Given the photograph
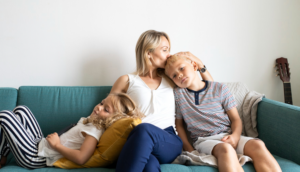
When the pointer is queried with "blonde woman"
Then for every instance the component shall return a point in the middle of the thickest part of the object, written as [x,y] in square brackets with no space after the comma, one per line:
[21,131]
[153,142]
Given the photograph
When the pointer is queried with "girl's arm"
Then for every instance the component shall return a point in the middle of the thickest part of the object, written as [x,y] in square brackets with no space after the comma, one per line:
[181,133]
[121,85]
[80,156]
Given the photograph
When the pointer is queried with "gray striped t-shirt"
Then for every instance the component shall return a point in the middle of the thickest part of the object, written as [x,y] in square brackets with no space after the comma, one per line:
[204,111]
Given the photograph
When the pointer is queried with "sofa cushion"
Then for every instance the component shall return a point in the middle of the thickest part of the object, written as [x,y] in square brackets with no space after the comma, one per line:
[280,121]
[286,166]
[15,168]
[8,98]
[57,107]
[108,148]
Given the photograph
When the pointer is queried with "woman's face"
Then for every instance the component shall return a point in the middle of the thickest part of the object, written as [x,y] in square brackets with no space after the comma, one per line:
[159,56]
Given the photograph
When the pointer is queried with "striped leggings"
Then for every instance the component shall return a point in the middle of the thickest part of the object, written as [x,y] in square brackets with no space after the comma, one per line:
[21,133]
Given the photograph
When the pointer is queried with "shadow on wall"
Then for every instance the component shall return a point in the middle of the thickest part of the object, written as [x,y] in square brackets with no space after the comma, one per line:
[102,68]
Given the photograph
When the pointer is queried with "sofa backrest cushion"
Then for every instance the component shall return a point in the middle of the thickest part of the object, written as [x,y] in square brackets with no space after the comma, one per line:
[8,98]
[57,107]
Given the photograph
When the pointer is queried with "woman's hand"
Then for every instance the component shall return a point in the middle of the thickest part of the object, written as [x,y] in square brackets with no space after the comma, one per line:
[232,140]
[192,57]
[53,140]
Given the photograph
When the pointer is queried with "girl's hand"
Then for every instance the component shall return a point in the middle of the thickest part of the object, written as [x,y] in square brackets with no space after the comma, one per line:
[232,140]
[53,140]
[192,57]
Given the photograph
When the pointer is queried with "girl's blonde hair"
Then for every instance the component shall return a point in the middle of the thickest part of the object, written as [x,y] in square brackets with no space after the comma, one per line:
[124,107]
[147,42]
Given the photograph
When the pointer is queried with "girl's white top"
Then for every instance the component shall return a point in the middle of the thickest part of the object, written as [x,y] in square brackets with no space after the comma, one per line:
[158,105]
[72,139]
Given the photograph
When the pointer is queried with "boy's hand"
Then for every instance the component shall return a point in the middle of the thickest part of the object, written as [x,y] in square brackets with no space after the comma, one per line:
[232,140]
[53,140]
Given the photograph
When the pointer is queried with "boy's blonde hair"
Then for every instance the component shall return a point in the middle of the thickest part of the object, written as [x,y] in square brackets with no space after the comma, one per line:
[124,107]
[173,58]
[147,42]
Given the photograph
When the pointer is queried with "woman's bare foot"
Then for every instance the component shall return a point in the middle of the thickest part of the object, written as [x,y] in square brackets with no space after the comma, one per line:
[2,161]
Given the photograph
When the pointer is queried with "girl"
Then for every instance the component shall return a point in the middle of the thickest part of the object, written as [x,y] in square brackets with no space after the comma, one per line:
[21,133]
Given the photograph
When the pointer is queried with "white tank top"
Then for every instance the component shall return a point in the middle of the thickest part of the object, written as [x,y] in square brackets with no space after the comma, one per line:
[158,105]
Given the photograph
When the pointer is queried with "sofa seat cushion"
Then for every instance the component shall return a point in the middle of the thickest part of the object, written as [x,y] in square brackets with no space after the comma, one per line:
[286,166]
[15,168]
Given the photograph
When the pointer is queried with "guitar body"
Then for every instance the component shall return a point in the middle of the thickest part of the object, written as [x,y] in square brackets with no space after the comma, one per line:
[284,73]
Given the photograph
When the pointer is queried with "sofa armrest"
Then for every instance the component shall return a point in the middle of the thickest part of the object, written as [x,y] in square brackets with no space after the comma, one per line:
[278,126]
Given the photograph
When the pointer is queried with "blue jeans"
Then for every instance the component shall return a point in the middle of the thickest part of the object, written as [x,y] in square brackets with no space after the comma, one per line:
[147,147]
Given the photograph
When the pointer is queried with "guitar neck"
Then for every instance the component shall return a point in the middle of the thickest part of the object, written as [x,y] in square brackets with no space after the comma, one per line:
[287,93]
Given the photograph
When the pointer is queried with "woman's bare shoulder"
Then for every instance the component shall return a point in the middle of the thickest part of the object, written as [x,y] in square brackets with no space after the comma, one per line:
[124,78]
[121,84]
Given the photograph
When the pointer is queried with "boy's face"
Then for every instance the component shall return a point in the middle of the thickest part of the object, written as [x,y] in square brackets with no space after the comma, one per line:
[182,72]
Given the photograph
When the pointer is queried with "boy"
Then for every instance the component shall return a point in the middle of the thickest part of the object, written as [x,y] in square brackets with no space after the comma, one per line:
[209,110]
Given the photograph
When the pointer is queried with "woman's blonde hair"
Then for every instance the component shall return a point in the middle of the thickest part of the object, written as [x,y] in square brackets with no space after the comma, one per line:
[147,42]
[124,107]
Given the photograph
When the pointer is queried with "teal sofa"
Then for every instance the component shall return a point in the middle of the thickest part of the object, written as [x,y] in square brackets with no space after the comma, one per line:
[56,107]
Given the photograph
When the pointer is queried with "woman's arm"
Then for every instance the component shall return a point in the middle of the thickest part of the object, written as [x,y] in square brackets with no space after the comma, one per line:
[181,133]
[80,156]
[121,85]
[206,75]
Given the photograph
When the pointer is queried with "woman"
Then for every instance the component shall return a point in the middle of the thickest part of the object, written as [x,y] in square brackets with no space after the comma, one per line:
[154,142]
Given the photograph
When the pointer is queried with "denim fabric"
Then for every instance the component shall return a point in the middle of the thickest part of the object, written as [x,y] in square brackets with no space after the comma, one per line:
[147,147]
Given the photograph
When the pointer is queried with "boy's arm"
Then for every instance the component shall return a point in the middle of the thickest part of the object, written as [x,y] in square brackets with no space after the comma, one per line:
[181,133]
[80,156]
[236,127]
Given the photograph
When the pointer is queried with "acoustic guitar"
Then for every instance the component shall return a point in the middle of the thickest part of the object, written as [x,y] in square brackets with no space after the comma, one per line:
[285,76]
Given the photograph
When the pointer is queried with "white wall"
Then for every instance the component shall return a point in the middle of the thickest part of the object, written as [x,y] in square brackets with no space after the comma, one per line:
[90,43]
